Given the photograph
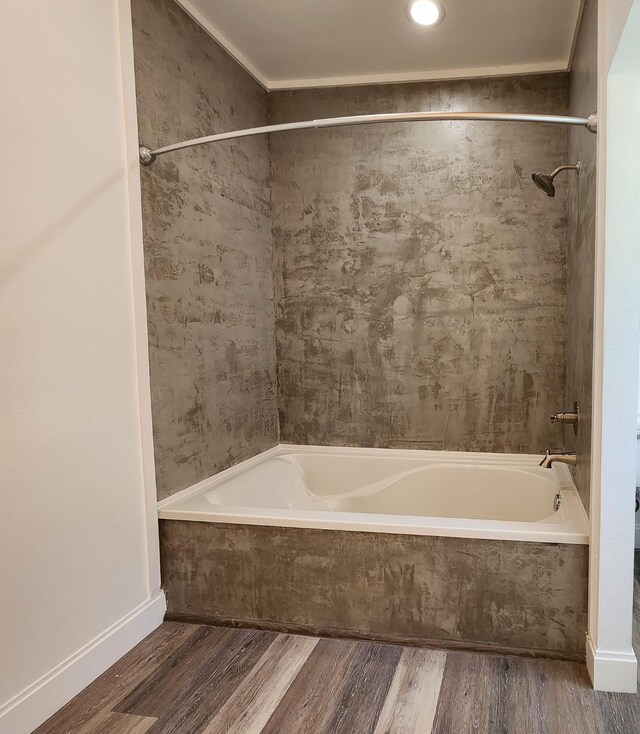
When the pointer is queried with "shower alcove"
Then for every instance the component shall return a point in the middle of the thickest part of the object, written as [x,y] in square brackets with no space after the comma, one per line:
[401,291]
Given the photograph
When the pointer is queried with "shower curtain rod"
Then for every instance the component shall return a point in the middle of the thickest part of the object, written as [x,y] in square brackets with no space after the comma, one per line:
[148,155]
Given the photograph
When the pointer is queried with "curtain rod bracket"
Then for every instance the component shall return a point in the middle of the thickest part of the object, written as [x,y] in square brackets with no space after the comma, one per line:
[147,156]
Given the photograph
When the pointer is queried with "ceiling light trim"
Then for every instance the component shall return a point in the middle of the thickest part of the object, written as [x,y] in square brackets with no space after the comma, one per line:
[436,6]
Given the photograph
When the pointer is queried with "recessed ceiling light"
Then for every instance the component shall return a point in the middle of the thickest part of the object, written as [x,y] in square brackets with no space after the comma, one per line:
[425,12]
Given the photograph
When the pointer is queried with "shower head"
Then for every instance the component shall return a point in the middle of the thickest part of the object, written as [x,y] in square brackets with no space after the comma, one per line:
[544,181]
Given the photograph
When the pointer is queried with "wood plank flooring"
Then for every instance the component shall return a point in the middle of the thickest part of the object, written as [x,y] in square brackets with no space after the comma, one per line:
[195,679]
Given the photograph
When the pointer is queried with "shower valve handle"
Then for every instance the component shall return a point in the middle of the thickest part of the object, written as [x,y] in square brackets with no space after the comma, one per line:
[568,416]
[564,417]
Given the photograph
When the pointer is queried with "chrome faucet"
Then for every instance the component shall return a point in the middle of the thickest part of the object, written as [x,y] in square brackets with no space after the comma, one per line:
[562,457]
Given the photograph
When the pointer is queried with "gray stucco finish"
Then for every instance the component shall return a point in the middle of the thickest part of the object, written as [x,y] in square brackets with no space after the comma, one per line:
[406,286]
[581,248]
[208,252]
[513,594]
[420,276]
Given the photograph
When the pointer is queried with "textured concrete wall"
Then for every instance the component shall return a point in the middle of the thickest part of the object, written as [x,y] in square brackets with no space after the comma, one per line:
[420,275]
[581,246]
[207,231]
[518,595]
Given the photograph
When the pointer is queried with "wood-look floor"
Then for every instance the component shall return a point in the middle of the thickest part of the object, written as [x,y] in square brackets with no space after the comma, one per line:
[195,679]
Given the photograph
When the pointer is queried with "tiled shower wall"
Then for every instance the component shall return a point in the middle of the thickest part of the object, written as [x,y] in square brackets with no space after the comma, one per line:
[420,275]
[207,235]
[581,246]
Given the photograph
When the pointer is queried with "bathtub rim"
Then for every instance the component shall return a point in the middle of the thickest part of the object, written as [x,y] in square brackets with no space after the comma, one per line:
[397,524]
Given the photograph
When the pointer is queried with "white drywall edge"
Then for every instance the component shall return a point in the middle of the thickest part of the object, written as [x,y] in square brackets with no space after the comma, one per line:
[36,703]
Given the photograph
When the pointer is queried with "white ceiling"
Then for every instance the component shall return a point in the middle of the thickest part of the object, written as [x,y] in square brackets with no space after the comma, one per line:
[304,43]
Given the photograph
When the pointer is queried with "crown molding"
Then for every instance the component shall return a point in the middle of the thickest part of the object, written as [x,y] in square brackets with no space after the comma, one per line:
[272,85]
[576,33]
[421,76]
[217,36]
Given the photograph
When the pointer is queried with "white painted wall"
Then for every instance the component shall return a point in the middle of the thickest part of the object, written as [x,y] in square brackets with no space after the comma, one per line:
[79,578]
[610,655]
[639,400]
[616,13]
[638,466]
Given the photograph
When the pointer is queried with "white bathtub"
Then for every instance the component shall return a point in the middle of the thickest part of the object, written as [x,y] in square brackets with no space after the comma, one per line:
[454,494]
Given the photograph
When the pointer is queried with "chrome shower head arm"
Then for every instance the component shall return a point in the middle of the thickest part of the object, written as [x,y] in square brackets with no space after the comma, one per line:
[572,167]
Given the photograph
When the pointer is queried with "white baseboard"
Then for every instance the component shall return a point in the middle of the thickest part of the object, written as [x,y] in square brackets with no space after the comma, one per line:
[36,703]
[612,671]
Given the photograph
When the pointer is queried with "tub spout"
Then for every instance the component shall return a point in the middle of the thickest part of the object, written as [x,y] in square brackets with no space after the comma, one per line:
[562,457]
